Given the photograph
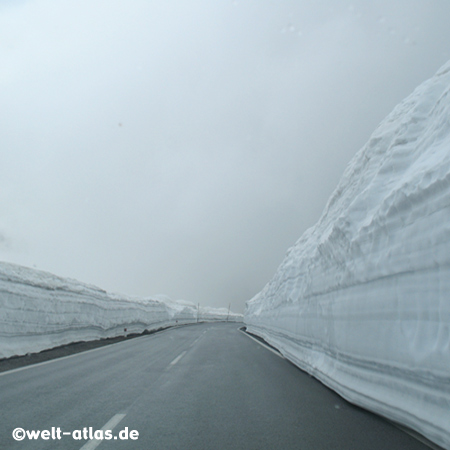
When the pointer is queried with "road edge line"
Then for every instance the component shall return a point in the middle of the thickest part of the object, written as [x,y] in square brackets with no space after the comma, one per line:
[261,343]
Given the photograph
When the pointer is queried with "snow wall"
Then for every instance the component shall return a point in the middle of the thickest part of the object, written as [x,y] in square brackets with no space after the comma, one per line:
[39,311]
[362,300]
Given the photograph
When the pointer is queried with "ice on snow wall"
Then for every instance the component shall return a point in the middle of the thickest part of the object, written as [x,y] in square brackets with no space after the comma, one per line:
[362,300]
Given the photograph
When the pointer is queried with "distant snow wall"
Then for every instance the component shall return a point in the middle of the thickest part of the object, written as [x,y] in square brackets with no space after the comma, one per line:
[39,311]
[362,300]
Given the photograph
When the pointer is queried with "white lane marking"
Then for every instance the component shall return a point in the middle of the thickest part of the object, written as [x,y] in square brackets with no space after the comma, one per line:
[193,343]
[264,345]
[110,425]
[43,363]
[177,358]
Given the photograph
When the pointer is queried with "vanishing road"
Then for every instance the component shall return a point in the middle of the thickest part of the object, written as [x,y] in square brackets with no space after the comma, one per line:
[199,387]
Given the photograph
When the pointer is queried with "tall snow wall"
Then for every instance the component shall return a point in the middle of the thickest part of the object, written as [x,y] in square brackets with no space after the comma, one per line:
[39,311]
[362,300]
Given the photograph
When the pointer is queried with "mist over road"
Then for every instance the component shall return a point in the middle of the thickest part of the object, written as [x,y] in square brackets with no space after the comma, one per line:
[205,386]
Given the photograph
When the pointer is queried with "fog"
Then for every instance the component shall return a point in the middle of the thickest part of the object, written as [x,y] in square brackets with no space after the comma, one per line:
[182,147]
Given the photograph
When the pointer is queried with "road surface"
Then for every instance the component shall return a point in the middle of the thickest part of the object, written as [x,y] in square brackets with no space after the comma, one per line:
[205,386]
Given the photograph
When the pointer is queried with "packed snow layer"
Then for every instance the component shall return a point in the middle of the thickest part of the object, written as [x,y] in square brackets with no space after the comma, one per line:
[39,310]
[362,300]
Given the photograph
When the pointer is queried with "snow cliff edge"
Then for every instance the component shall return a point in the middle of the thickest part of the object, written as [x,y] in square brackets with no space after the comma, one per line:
[362,300]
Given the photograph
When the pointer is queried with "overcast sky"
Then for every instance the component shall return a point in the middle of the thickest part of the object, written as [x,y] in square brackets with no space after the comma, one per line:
[180,147]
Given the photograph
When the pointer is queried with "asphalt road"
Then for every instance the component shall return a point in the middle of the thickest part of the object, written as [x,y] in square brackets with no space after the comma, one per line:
[205,386]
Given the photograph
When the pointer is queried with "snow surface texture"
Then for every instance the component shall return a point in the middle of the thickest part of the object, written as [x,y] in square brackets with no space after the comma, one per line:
[362,300]
[39,310]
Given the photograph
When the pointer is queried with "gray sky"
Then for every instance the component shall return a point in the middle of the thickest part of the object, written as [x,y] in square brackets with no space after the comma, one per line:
[180,147]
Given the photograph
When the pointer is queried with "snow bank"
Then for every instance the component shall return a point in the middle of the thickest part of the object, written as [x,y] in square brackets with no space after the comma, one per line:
[362,300]
[39,310]
[199,313]
[208,314]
